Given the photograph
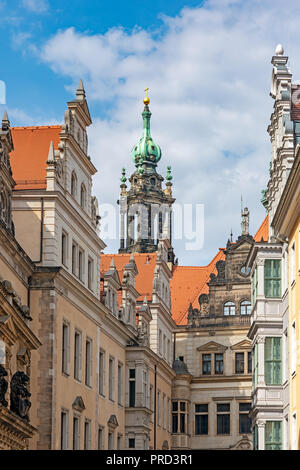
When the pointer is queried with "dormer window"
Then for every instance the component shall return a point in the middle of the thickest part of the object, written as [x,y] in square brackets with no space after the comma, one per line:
[73,184]
[229,309]
[82,196]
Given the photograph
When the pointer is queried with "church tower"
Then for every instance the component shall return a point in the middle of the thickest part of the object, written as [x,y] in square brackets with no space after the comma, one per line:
[146,208]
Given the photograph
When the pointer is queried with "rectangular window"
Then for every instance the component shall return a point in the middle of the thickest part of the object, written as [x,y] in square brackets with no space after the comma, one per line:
[77,355]
[131,443]
[100,438]
[273,438]
[255,438]
[249,355]
[158,408]
[90,273]
[110,440]
[145,388]
[239,363]
[102,372]
[219,364]
[293,263]
[64,440]
[120,383]
[76,433]
[168,415]
[223,418]
[174,417]
[273,361]
[119,443]
[87,435]
[164,411]
[272,275]
[244,420]
[111,384]
[88,362]
[74,256]
[255,367]
[294,348]
[131,387]
[201,419]
[65,347]
[160,342]
[80,264]
[64,248]
[206,364]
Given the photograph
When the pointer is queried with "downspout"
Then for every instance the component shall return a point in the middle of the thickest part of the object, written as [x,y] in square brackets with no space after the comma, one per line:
[155,387]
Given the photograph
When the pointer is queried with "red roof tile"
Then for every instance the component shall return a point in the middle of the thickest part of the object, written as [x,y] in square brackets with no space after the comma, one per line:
[295,112]
[28,159]
[263,231]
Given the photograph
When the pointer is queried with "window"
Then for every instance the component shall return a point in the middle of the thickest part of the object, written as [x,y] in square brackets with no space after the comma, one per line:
[223,418]
[255,438]
[294,348]
[249,354]
[111,379]
[82,196]
[76,433]
[77,355]
[168,415]
[102,372]
[158,408]
[219,364]
[110,440]
[179,417]
[206,364]
[120,383]
[145,388]
[119,442]
[64,248]
[65,347]
[273,361]
[64,418]
[151,399]
[164,411]
[273,435]
[88,362]
[131,387]
[159,341]
[74,256]
[229,308]
[244,420]
[254,284]
[272,275]
[100,438]
[201,419]
[131,443]
[80,264]
[90,273]
[73,184]
[239,363]
[87,434]
[255,367]
[245,307]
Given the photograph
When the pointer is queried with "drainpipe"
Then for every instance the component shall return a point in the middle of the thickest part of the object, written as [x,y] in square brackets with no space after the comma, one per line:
[155,387]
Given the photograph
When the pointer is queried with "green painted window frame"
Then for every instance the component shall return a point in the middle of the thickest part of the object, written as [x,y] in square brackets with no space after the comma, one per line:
[255,366]
[273,360]
[272,280]
[273,435]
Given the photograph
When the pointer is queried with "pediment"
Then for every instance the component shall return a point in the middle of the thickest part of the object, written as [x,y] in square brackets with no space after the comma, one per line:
[112,273]
[113,422]
[212,346]
[78,404]
[8,328]
[242,345]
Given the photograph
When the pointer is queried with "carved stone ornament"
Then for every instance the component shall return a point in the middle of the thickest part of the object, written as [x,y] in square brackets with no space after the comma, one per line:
[221,269]
[261,339]
[3,386]
[19,395]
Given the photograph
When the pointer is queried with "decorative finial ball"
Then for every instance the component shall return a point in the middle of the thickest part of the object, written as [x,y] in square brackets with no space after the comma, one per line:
[146,100]
[279,50]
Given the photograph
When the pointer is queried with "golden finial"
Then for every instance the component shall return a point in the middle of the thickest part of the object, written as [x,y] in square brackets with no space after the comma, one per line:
[146,99]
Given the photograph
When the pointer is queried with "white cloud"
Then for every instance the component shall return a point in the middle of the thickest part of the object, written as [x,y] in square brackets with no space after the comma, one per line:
[209,73]
[37,6]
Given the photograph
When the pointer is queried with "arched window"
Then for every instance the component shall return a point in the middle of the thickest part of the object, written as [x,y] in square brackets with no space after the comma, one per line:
[229,308]
[73,184]
[82,195]
[245,307]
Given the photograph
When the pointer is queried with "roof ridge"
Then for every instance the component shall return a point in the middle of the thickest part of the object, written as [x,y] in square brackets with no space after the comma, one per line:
[54,126]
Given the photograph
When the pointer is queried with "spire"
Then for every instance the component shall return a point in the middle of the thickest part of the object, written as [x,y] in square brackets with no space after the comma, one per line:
[146,153]
[5,122]
[51,156]
[80,92]
[112,263]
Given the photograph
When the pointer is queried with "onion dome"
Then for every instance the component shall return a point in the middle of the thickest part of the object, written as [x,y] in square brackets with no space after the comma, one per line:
[146,150]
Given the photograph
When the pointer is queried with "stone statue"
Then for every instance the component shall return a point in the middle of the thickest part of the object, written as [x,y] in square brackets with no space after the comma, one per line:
[245,221]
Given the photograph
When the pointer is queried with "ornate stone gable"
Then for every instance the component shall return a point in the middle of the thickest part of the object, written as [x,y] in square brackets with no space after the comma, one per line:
[212,346]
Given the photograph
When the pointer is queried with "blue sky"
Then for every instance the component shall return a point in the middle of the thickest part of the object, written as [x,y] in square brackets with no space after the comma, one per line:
[208,68]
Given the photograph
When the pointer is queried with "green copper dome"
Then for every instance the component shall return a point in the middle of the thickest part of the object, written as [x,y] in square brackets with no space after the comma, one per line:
[146,150]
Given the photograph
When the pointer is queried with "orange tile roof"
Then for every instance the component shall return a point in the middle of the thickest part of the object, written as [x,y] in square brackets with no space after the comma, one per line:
[187,284]
[263,231]
[28,159]
[145,263]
